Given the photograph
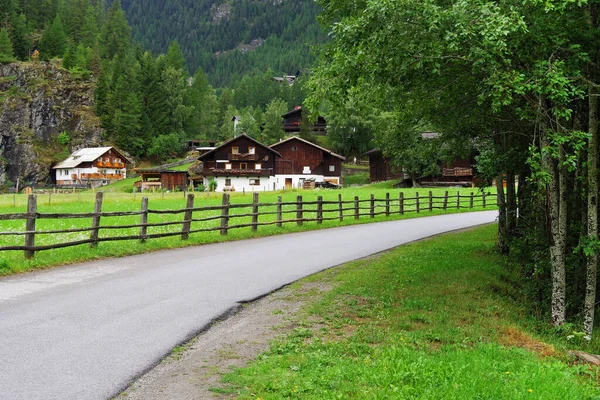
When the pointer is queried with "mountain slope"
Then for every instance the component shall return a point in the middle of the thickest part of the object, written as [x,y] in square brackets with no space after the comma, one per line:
[230,38]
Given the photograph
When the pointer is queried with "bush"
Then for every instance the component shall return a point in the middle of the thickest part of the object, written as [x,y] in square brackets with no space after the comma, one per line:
[212,185]
[201,188]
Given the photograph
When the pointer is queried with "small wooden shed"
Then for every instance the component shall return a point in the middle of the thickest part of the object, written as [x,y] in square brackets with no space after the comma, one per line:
[163,179]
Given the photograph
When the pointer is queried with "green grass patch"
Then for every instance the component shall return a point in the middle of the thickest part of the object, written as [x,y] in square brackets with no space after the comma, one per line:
[83,202]
[421,322]
[357,179]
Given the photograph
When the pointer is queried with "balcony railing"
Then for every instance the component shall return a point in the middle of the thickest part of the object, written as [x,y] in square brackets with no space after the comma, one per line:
[244,157]
[457,172]
[107,164]
[242,172]
[101,176]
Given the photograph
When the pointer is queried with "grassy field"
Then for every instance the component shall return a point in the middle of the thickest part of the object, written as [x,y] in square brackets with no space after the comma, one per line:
[437,319]
[13,261]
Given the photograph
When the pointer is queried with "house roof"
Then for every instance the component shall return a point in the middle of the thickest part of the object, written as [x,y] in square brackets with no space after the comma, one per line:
[88,154]
[227,143]
[312,144]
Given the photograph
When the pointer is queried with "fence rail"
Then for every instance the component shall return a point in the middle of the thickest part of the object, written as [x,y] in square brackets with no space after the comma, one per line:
[227,216]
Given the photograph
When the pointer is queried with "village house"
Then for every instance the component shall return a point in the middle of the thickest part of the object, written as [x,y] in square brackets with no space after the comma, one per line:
[302,161]
[241,163]
[292,123]
[93,165]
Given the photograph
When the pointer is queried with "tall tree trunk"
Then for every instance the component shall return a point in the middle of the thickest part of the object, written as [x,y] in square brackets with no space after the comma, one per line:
[592,216]
[557,228]
[511,203]
[502,231]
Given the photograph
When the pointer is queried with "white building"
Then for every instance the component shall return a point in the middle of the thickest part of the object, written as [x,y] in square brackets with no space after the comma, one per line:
[100,165]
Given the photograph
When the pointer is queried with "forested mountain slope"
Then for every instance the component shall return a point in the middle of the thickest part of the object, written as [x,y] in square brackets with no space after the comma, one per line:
[229,38]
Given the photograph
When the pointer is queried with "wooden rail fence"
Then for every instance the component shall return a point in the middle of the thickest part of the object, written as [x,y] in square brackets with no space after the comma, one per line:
[301,211]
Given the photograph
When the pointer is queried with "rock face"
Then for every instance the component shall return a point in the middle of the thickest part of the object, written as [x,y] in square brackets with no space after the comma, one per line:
[45,114]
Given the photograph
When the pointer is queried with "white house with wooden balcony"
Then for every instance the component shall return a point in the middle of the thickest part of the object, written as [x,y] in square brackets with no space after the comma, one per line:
[92,165]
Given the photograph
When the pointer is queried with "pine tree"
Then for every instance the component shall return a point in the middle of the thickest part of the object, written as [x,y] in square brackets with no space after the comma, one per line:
[54,40]
[175,58]
[69,59]
[116,35]
[273,127]
[205,112]
[6,50]
[90,28]
[18,36]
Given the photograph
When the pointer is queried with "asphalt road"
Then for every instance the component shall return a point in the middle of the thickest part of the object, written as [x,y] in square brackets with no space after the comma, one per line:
[86,331]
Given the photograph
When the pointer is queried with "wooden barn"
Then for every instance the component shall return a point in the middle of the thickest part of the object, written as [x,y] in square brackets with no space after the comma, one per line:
[162,179]
[302,160]
[380,167]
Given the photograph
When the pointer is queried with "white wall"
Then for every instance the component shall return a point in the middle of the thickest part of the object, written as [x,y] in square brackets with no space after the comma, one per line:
[79,171]
[297,180]
[241,183]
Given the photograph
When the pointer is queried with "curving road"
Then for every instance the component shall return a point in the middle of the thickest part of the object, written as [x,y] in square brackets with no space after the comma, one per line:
[86,331]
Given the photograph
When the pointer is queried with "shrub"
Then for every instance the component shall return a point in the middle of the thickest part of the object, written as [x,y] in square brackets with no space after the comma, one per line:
[212,185]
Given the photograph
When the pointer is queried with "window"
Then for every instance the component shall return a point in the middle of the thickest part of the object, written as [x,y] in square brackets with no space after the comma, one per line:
[331,168]
[227,166]
[254,181]
[235,150]
[243,165]
[257,166]
[251,150]
[294,148]
[227,181]
[103,171]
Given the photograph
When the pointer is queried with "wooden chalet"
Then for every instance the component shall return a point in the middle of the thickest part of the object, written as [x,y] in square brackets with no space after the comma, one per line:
[92,165]
[156,178]
[303,161]
[292,122]
[241,163]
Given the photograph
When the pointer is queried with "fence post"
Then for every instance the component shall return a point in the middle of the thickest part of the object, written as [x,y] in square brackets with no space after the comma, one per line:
[401,203]
[299,210]
[341,207]
[254,211]
[144,220]
[320,210]
[279,212]
[224,214]
[483,198]
[387,204]
[471,201]
[187,217]
[430,201]
[356,210]
[417,204]
[445,206]
[457,200]
[372,206]
[96,219]
[30,225]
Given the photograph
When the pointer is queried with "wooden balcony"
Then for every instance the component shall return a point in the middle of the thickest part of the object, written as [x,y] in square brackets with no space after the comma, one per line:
[243,157]
[457,172]
[240,172]
[98,176]
[105,164]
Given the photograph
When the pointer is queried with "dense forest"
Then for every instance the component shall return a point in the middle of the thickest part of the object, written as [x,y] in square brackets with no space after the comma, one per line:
[229,39]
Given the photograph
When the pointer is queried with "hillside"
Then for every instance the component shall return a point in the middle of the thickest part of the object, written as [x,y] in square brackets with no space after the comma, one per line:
[230,38]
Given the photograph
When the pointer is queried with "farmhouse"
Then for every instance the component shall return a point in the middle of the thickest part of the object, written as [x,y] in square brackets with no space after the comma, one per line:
[303,161]
[292,122]
[241,163]
[94,165]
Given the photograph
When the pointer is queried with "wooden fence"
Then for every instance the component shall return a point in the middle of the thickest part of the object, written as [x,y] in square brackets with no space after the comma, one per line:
[225,217]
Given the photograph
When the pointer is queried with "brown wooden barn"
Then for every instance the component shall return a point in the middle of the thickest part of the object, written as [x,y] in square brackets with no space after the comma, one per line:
[302,160]
[380,167]
[292,121]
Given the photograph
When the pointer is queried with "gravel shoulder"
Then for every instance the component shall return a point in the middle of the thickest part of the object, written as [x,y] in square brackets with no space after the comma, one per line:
[194,368]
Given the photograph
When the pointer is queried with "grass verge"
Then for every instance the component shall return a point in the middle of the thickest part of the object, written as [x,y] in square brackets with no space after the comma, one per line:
[437,319]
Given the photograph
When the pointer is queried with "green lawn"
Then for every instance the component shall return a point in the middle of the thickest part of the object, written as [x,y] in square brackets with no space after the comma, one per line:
[437,319]
[13,261]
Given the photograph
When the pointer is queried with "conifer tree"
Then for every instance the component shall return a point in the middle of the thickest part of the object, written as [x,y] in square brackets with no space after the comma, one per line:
[116,35]
[6,50]
[54,40]
[273,127]
[18,36]
[69,58]
[175,58]
[205,112]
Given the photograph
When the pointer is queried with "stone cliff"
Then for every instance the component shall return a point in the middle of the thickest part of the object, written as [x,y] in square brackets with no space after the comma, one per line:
[45,114]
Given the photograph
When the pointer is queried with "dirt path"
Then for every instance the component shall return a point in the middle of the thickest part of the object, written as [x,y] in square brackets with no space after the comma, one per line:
[196,367]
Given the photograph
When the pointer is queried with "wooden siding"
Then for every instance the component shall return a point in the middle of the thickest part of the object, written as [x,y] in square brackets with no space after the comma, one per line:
[380,168]
[296,154]
[171,180]
[263,155]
